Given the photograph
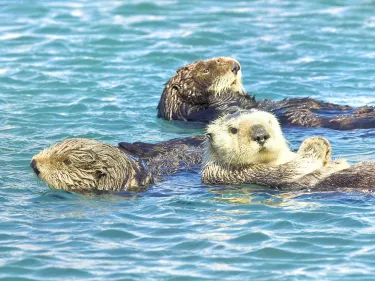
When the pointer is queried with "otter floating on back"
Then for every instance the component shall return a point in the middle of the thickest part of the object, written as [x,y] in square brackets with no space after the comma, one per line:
[249,147]
[203,90]
[242,147]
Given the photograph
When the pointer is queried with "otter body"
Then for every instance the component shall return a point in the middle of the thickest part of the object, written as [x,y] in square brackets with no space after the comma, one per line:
[248,147]
[203,90]
[241,147]
[84,165]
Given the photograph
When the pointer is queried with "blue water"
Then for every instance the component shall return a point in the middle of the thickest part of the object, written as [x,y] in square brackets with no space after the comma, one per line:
[96,69]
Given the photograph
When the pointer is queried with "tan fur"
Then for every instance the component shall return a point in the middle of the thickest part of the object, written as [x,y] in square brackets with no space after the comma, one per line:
[237,158]
[80,165]
[228,80]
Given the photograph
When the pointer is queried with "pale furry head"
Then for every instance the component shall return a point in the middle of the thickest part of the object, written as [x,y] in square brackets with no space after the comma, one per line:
[84,165]
[246,137]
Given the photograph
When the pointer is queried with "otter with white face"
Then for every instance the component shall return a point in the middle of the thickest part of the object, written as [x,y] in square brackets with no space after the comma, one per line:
[194,91]
[245,138]
[249,147]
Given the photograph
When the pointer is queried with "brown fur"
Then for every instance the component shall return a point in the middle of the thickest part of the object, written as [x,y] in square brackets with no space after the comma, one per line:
[360,176]
[193,87]
[191,95]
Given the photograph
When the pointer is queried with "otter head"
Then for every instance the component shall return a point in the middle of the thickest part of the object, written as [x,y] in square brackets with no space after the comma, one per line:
[194,83]
[246,137]
[80,165]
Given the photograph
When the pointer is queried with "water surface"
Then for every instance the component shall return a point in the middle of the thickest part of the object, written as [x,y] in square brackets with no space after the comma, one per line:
[96,69]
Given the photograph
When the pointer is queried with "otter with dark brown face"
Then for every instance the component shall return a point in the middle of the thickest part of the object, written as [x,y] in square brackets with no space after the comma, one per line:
[203,90]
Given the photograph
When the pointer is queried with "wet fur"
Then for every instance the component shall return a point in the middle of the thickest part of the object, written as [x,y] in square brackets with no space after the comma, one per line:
[80,165]
[192,93]
[189,97]
[237,161]
[237,158]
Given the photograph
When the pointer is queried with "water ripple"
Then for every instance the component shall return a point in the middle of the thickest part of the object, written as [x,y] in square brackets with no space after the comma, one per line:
[84,69]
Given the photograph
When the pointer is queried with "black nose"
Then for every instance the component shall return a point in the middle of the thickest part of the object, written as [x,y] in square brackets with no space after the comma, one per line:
[35,169]
[236,67]
[259,134]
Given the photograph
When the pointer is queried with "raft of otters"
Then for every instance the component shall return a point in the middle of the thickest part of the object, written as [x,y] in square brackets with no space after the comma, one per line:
[203,90]
[245,146]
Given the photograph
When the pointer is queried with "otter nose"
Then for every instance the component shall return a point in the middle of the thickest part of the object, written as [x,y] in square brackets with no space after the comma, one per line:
[236,67]
[259,134]
[34,167]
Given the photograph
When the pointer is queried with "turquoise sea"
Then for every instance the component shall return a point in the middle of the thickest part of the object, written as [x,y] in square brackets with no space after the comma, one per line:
[96,69]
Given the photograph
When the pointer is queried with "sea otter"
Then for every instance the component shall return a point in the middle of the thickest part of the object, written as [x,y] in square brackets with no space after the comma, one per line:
[81,165]
[241,147]
[203,90]
[248,147]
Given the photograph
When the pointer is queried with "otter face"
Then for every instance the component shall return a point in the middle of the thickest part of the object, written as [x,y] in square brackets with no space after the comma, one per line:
[218,75]
[213,76]
[246,137]
[81,165]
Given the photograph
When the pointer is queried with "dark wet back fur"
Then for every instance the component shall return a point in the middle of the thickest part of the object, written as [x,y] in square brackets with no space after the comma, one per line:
[360,176]
[169,157]
[186,97]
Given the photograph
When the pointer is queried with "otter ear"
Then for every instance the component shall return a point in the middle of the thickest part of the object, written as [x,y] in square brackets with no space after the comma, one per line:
[176,87]
[209,136]
[99,174]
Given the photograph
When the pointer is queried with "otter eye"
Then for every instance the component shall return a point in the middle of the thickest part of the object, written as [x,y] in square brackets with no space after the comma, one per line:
[206,71]
[209,136]
[233,130]
[67,162]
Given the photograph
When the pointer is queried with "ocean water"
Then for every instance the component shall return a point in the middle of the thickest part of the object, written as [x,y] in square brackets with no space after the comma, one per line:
[96,69]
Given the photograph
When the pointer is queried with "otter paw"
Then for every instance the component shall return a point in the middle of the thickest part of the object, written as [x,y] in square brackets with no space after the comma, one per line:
[317,148]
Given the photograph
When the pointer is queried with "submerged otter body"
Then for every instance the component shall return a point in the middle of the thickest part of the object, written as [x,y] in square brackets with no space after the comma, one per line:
[203,90]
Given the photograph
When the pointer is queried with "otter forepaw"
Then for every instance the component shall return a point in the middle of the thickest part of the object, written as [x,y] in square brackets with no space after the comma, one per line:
[317,148]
